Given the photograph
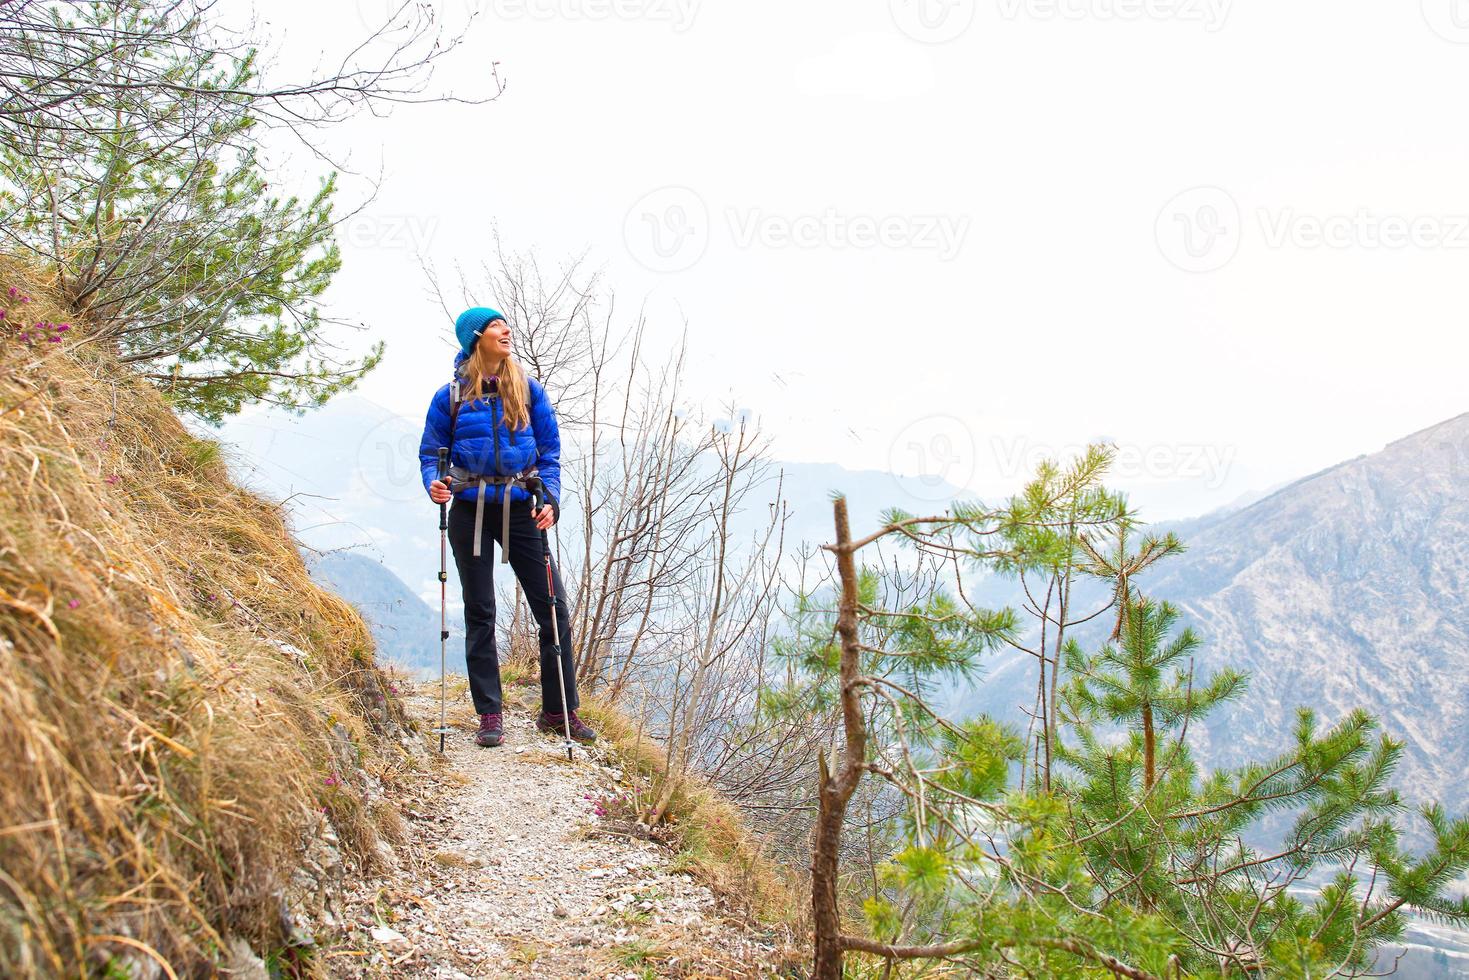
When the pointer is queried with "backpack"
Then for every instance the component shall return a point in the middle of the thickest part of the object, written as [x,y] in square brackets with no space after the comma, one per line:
[455,401]
[453,415]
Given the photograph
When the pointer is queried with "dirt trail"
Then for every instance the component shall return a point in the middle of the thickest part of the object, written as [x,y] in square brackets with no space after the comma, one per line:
[510,871]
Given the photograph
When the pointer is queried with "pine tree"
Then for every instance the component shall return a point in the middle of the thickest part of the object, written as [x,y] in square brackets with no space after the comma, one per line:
[1131,683]
[155,212]
[1133,861]
[1175,842]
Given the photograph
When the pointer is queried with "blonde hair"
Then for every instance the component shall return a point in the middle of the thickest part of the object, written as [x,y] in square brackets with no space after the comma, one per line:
[475,373]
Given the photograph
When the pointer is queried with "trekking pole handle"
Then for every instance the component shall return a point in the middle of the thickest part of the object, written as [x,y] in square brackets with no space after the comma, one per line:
[443,474]
[536,487]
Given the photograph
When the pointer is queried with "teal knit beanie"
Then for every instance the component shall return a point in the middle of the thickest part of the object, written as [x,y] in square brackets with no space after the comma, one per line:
[471,324]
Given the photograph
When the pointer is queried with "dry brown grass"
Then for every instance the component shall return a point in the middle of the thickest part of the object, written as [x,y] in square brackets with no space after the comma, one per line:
[712,837]
[184,710]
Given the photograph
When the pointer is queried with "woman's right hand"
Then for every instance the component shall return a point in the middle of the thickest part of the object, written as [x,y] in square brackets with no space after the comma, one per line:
[438,492]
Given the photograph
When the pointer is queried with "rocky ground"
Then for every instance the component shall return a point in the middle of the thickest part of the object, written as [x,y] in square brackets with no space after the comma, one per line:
[520,863]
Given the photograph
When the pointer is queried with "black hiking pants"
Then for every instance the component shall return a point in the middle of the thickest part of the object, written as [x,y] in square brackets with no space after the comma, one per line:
[477,576]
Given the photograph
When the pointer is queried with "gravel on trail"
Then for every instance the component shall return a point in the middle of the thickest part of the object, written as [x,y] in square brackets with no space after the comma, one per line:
[509,870]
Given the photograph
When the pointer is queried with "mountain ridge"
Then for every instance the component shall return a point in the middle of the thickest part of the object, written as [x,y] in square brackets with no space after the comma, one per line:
[1346,588]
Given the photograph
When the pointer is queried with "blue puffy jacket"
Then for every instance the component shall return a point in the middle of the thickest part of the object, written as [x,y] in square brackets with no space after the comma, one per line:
[481,430]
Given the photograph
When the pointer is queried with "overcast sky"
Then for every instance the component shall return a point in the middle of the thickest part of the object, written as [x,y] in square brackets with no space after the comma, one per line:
[948,236]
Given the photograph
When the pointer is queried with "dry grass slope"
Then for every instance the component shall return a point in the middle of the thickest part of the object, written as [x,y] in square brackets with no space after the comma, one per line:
[710,834]
[188,717]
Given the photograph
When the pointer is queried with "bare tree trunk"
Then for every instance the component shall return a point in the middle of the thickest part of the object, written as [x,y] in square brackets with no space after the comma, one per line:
[836,790]
[1150,748]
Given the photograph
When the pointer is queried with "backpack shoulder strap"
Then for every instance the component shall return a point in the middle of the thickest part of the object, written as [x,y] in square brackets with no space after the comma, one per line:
[453,414]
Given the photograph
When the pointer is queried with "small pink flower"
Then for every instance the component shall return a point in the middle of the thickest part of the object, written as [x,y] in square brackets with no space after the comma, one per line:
[73,603]
[113,478]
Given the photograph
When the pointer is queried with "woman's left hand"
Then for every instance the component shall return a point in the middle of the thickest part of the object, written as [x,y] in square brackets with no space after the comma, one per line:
[544,517]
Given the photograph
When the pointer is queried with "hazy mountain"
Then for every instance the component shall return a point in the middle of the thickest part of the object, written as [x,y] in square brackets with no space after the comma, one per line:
[405,628]
[349,471]
[807,490]
[1349,588]
[1343,589]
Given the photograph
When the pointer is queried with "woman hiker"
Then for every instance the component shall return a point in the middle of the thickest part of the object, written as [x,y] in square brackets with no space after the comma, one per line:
[505,430]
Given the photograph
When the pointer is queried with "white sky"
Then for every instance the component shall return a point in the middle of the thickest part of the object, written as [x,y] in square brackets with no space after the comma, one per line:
[1026,189]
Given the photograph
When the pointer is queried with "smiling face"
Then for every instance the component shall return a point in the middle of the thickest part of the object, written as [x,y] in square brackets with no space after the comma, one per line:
[495,340]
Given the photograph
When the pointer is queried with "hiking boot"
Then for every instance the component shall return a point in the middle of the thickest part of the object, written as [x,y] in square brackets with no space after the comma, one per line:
[491,731]
[556,725]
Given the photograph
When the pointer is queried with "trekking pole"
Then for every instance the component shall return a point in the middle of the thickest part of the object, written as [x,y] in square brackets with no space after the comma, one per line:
[537,489]
[443,475]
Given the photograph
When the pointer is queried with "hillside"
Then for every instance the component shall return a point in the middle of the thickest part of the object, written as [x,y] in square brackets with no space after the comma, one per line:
[217,779]
[203,731]
[1346,589]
